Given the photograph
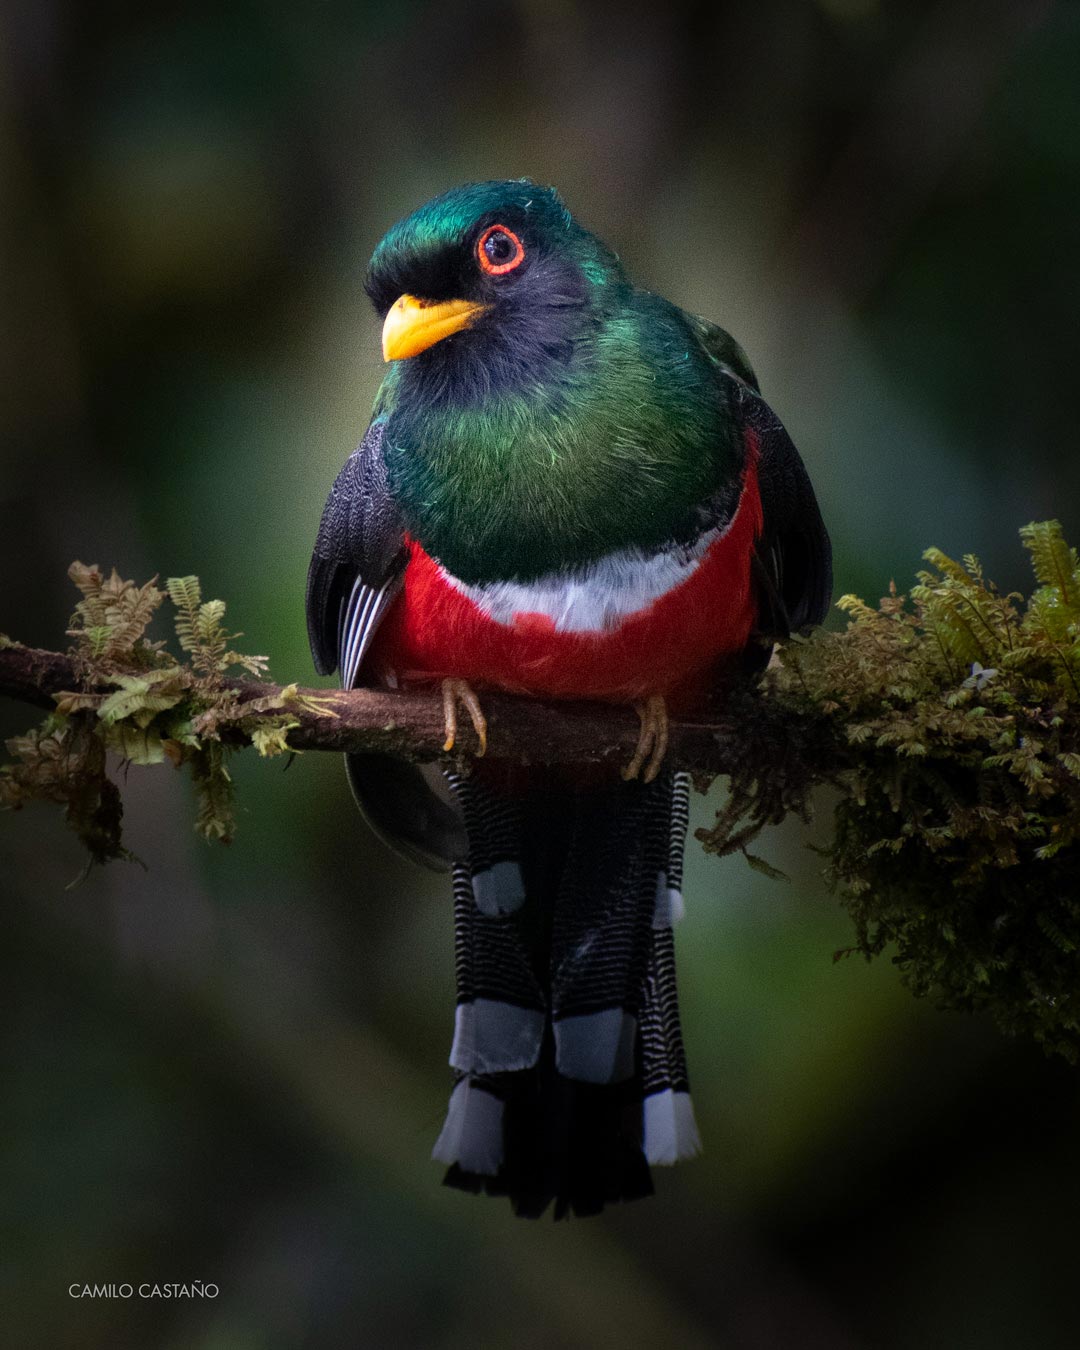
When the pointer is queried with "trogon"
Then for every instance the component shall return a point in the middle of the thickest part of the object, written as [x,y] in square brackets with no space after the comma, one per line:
[569,489]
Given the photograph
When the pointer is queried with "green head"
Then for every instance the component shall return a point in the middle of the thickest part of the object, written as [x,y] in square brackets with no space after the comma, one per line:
[488,284]
[539,411]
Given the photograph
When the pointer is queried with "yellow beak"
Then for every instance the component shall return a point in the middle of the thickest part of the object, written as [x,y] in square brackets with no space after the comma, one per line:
[413,325]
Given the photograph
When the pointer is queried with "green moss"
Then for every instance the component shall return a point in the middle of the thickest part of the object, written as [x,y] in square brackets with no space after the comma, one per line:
[949,721]
[137,700]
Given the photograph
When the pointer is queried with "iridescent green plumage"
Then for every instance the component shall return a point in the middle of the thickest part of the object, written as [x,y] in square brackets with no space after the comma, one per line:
[592,420]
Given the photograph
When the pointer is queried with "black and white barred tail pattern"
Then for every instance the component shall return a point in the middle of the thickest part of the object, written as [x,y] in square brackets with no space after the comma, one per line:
[567,1010]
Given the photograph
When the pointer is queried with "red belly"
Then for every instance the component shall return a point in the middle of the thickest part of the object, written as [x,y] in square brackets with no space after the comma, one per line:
[668,648]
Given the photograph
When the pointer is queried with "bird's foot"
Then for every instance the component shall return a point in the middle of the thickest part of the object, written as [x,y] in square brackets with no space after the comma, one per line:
[652,741]
[453,693]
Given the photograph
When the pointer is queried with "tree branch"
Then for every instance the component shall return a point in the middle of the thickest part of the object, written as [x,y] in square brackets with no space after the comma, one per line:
[956,816]
[411,725]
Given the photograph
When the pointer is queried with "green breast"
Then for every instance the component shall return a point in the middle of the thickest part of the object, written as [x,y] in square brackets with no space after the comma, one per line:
[613,447]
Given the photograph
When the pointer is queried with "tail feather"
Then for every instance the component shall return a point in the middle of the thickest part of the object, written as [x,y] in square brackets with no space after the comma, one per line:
[578,1145]
[571,1076]
[501,1007]
[670,1130]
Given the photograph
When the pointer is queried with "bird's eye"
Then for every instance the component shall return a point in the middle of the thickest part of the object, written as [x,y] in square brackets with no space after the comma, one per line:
[499,250]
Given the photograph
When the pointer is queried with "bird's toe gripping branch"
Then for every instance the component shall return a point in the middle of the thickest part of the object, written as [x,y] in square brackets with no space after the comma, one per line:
[453,693]
[652,740]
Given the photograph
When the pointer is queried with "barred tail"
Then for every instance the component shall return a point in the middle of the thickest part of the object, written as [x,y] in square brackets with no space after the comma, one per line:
[570,1070]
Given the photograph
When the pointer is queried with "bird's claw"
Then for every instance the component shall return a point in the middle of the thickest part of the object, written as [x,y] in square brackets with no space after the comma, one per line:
[652,740]
[453,693]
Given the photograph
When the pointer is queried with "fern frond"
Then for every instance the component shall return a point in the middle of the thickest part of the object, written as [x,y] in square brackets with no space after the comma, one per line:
[1055,563]
[208,622]
[948,567]
[215,814]
[186,595]
[139,695]
[956,623]
[855,606]
[130,613]
[90,611]
[89,623]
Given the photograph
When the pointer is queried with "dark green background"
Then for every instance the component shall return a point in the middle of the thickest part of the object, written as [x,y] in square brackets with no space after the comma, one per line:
[231,1067]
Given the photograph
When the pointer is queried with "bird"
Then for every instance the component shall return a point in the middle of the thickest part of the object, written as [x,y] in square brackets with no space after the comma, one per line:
[569,489]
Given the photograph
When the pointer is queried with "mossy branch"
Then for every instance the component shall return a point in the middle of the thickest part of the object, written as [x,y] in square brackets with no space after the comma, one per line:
[116,690]
[409,725]
[948,723]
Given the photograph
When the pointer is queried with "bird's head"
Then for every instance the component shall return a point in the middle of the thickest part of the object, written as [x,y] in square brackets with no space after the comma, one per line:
[490,280]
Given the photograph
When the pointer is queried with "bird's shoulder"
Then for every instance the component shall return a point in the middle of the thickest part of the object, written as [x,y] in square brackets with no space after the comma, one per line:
[793,557]
[713,345]
[359,549]
[725,353]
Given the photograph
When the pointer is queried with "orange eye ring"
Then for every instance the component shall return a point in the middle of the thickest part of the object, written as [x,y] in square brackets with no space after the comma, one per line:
[489,251]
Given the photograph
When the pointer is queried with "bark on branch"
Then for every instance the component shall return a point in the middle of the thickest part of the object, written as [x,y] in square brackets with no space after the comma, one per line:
[411,725]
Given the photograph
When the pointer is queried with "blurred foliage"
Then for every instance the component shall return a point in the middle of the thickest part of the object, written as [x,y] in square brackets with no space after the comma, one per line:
[231,1067]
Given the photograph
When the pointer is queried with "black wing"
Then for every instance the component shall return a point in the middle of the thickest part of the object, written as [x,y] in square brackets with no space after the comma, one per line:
[793,559]
[793,563]
[356,572]
[358,563]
